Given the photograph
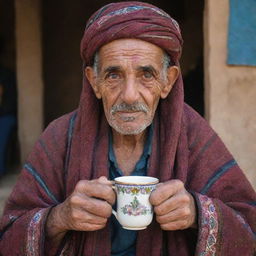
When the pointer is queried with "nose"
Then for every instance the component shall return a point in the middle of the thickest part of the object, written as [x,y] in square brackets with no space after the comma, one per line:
[130,93]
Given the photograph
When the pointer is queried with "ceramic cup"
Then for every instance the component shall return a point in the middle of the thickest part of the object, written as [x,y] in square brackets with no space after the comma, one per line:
[134,210]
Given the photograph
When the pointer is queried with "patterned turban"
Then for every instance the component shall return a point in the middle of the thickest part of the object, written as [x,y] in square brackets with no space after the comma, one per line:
[131,20]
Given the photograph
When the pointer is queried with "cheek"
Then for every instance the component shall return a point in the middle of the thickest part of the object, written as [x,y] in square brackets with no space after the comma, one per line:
[108,100]
[151,98]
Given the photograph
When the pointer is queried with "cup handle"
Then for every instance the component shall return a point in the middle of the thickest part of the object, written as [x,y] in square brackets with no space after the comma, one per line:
[113,211]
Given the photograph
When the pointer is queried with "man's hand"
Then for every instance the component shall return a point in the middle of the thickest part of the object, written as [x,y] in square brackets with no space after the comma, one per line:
[86,209]
[174,206]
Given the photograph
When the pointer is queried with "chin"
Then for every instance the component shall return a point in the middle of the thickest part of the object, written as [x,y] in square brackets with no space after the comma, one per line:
[129,130]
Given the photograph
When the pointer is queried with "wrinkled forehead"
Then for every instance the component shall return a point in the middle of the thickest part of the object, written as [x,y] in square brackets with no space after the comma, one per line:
[133,51]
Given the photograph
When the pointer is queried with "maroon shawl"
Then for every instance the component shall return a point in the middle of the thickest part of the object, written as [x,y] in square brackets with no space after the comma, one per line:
[75,147]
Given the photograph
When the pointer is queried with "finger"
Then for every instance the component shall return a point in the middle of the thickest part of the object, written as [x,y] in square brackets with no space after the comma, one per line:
[104,180]
[177,225]
[179,214]
[80,217]
[92,205]
[98,207]
[165,190]
[89,227]
[96,189]
[179,200]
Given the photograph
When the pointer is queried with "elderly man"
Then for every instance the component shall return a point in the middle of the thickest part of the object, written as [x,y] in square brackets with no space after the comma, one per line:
[131,120]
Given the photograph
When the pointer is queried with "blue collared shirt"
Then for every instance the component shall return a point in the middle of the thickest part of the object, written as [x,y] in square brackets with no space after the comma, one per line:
[123,240]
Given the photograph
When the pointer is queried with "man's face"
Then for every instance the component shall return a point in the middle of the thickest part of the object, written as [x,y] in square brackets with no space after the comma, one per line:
[130,81]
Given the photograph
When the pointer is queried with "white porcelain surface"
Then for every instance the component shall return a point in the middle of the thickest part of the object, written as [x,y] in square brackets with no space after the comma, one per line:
[134,210]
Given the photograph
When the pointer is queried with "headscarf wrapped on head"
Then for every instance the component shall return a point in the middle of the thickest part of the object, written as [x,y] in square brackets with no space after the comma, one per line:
[131,20]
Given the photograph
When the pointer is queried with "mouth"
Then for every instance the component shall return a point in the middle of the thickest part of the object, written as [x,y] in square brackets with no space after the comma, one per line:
[128,116]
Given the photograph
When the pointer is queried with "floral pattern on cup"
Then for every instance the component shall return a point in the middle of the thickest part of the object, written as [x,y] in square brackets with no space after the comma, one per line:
[135,190]
[135,208]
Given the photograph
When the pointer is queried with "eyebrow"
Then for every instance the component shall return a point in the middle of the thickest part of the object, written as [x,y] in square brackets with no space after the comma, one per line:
[112,69]
[148,68]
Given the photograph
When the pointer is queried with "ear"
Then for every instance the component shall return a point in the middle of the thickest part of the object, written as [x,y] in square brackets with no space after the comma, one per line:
[172,75]
[91,76]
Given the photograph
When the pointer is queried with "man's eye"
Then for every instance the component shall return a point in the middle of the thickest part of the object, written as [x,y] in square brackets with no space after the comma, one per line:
[113,76]
[147,75]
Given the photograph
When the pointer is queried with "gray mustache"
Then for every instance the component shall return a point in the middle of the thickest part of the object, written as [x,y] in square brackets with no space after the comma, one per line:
[129,107]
